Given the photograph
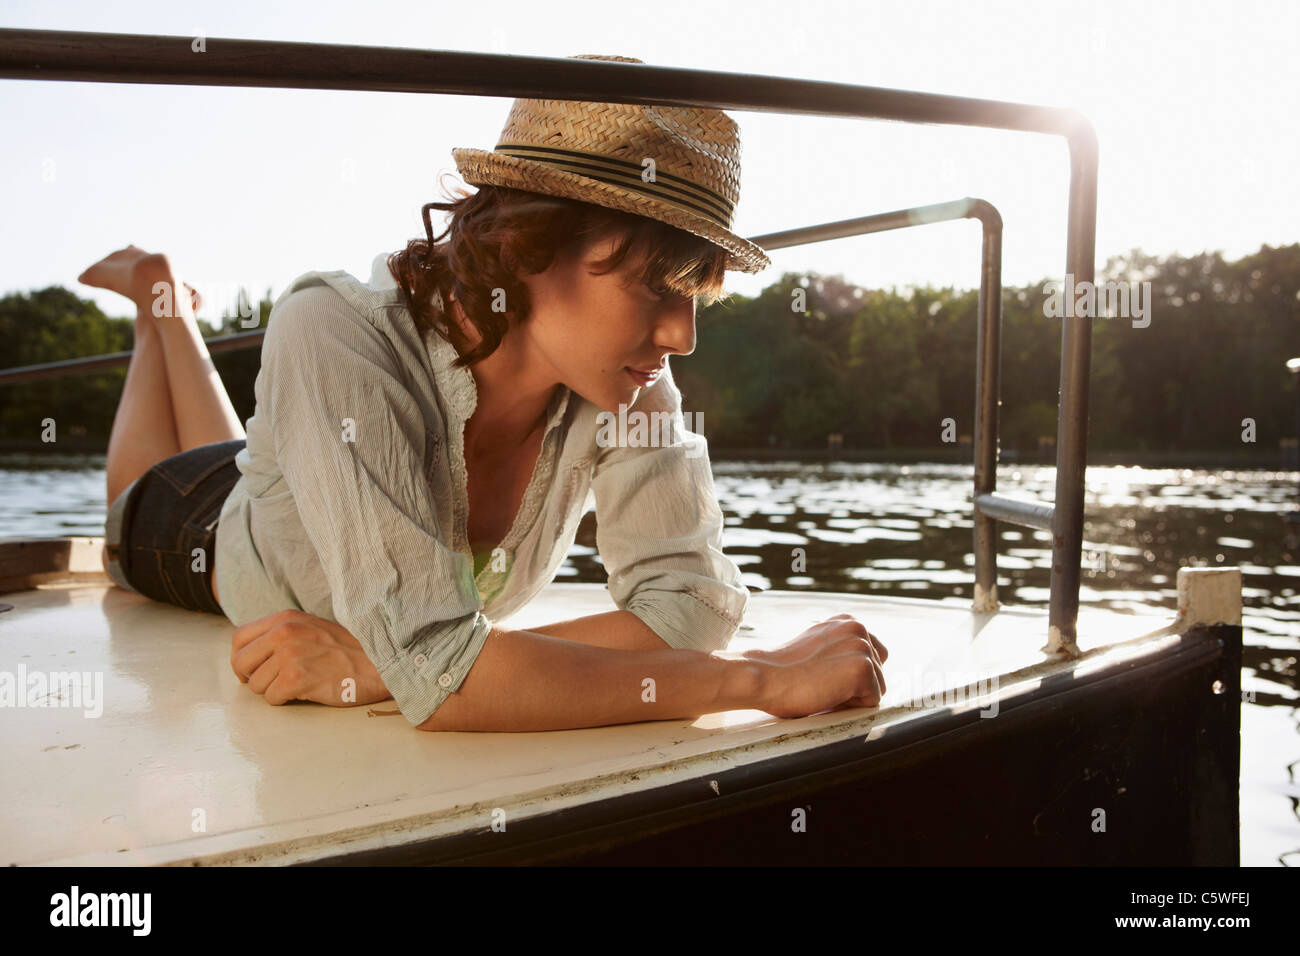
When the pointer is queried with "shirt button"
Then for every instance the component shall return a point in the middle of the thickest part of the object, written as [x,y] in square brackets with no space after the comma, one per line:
[445,680]
[419,660]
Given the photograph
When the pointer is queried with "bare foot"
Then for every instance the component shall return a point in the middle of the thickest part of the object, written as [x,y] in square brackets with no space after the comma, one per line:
[134,273]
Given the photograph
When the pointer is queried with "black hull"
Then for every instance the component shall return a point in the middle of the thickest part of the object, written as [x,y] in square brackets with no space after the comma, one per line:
[1148,742]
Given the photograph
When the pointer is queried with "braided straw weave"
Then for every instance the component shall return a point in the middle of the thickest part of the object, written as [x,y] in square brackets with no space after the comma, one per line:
[595,153]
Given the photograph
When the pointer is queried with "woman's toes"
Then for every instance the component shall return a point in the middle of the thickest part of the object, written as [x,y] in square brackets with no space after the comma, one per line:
[136,274]
[114,271]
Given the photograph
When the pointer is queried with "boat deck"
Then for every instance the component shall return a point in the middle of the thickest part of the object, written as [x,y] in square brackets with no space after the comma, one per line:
[186,765]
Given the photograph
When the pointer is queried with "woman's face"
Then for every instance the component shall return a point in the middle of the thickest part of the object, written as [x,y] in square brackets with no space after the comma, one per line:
[592,329]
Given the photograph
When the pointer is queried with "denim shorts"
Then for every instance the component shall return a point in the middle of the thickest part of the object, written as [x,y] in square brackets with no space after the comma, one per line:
[161,531]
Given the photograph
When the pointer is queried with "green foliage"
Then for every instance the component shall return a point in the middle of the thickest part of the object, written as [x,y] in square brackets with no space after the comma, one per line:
[48,326]
[882,368]
[54,324]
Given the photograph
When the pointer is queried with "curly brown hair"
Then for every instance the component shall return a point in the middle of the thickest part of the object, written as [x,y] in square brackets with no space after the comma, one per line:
[499,233]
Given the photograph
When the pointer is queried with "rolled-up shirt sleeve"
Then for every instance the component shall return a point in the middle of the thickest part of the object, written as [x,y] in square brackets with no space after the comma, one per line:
[659,526]
[350,441]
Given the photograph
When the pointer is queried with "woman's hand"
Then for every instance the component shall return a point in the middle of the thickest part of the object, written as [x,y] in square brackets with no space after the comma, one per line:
[293,655]
[833,665]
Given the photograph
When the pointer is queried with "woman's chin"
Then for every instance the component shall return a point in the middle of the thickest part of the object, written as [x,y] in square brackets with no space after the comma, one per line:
[611,399]
[621,404]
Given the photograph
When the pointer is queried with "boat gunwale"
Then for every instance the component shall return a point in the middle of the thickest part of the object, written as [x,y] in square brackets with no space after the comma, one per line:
[823,765]
[878,728]
[824,751]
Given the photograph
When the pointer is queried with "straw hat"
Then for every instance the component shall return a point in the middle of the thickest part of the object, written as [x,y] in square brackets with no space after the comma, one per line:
[596,152]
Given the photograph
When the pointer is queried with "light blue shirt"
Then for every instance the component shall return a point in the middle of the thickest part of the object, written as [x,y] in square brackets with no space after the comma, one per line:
[352,498]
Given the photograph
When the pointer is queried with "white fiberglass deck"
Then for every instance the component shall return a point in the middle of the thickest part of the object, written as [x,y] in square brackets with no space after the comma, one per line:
[180,737]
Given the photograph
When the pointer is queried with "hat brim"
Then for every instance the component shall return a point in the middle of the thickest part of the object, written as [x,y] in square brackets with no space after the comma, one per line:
[480,167]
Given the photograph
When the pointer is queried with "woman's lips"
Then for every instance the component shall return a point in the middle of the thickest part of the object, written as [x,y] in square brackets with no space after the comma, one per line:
[642,378]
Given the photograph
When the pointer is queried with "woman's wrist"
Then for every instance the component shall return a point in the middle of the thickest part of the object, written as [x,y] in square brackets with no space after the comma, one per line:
[744,681]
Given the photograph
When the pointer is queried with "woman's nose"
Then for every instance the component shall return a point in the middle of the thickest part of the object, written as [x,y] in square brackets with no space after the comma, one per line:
[677,327]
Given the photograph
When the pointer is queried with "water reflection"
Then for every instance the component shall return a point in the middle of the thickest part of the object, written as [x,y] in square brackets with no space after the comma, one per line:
[51,495]
[906,530]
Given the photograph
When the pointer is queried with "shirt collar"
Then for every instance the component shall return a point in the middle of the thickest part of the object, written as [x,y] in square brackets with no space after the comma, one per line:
[380,277]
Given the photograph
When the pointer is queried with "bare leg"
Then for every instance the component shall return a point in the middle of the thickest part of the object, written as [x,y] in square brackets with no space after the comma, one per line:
[144,431]
[144,428]
[173,399]
[200,404]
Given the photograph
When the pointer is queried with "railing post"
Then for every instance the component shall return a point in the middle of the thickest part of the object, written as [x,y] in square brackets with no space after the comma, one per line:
[1072,416]
[988,363]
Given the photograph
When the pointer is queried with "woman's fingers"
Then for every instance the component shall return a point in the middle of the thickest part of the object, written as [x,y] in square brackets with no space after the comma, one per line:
[244,636]
[281,690]
[301,660]
[873,689]
[278,681]
[247,661]
[251,631]
[874,694]
[872,651]
[249,658]
[260,679]
[881,650]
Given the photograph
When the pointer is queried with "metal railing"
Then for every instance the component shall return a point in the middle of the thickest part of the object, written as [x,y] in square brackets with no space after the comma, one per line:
[143,58]
[95,363]
[988,356]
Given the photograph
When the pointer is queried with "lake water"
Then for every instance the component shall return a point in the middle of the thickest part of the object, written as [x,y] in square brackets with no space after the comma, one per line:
[906,530]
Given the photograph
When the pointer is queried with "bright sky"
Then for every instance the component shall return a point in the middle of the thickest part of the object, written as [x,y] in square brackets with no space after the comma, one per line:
[1194,103]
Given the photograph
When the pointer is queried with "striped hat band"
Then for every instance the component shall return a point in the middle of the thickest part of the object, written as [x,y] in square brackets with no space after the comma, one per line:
[621,172]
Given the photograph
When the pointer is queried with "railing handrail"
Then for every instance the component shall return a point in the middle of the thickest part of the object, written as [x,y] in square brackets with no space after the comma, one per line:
[95,363]
[143,58]
[82,56]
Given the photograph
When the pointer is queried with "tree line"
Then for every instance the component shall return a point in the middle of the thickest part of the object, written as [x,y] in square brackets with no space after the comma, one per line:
[881,368]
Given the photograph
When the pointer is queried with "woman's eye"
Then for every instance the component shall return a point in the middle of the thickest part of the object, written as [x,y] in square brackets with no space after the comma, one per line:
[661,291]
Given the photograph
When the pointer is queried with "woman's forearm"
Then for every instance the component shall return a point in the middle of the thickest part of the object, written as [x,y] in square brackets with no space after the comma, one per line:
[622,630]
[525,681]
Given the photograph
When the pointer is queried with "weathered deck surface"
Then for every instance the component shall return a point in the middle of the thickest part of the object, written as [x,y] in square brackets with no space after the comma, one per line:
[179,734]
